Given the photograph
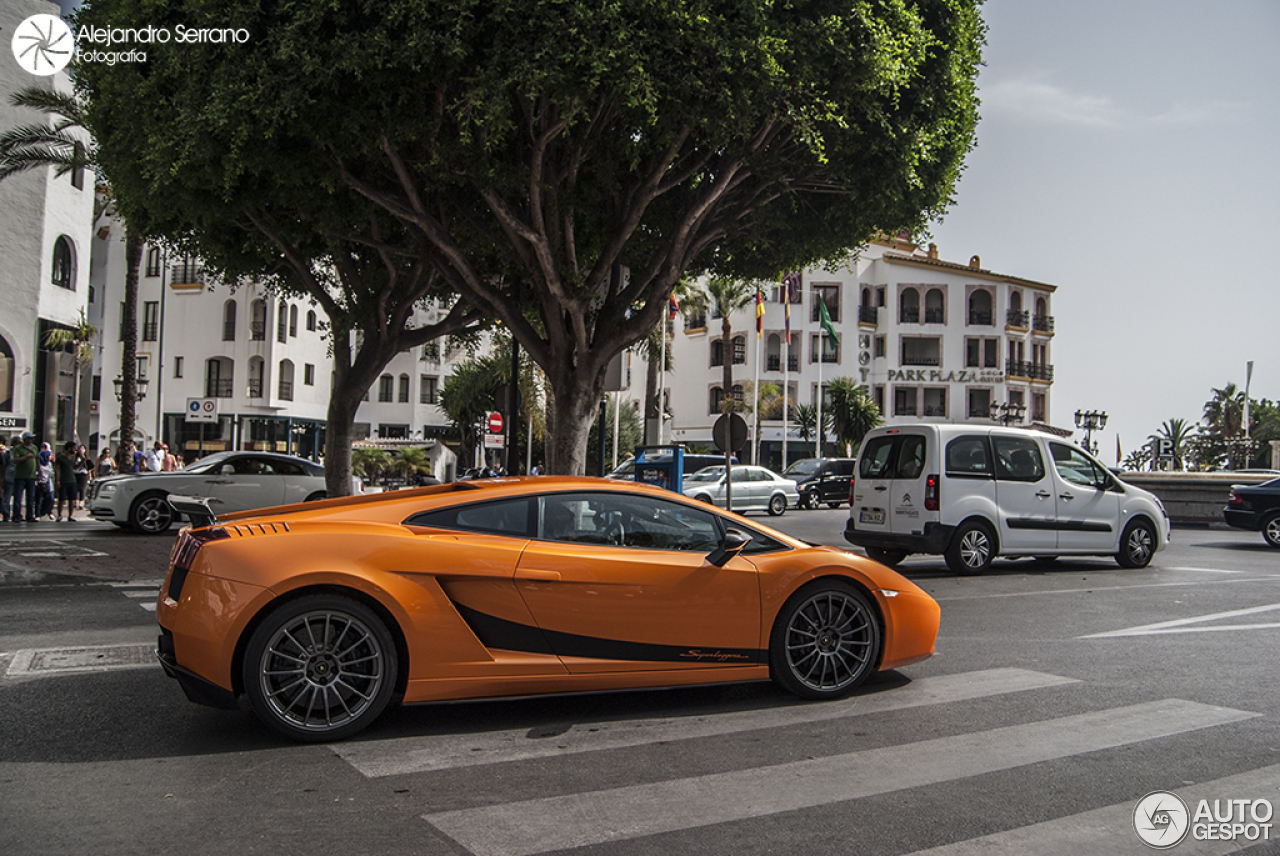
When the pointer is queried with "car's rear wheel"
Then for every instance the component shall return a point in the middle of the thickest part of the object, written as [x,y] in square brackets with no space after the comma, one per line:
[971,549]
[1137,545]
[151,513]
[1271,530]
[317,496]
[322,667]
[825,641]
[777,505]
[886,557]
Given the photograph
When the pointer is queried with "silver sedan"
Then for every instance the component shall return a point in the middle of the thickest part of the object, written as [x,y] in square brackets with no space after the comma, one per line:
[754,489]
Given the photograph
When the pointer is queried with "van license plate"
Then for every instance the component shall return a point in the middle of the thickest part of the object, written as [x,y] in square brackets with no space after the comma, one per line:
[874,516]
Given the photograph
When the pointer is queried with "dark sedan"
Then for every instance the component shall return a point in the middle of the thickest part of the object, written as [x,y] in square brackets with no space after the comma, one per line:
[1257,508]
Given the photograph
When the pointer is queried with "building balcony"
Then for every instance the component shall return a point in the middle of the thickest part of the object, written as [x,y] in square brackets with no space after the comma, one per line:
[218,388]
[909,316]
[258,331]
[918,360]
[1042,324]
[979,319]
[1015,318]
[1031,371]
[286,390]
[934,316]
[774,363]
[900,409]
[255,388]
[868,315]
[186,274]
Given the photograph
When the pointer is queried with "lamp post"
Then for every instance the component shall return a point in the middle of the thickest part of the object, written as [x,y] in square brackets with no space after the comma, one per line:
[141,383]
[1090,421]
[1011,412]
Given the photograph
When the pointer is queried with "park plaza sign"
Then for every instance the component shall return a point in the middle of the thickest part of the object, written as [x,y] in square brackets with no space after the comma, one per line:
[939,376]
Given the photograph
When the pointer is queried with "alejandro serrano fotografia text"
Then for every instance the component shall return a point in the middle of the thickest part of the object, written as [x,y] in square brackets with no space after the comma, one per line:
[180,34]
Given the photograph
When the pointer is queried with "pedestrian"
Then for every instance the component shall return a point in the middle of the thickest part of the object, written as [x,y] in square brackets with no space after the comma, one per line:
[170,462]
[6,463]
[84,471]
[64,477]
[153,458]
[44,482]
[138,466]
[26,462]
[106,464]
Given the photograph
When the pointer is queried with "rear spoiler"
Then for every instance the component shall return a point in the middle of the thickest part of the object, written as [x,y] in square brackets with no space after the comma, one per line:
[196,508]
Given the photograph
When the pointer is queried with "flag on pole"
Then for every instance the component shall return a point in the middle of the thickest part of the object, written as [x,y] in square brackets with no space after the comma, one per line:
[673,308]
[1117,450]
[825,318]
[759,314]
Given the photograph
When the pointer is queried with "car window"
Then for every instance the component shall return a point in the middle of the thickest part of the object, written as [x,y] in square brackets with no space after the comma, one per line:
[967,457]
[251,466]
[1075,467]
[623,520]
[287,468]
[802,468]
[845,468]
[503,517]
[876,458]
[1018,459]
[741,474]
[911,457]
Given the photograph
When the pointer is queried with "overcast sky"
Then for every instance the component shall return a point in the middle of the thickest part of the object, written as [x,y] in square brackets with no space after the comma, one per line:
[1128,155]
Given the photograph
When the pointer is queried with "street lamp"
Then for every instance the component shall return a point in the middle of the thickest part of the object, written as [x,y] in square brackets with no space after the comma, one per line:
[141,384]
[1011,412]
[1090,421]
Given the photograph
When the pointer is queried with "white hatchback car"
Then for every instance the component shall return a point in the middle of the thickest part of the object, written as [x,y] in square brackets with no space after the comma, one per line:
[972,493]
[754,489]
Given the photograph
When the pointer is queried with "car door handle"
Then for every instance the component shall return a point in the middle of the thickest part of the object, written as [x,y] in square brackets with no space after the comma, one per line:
[1043,494]
[881,487]
[533,574]
[1067,496]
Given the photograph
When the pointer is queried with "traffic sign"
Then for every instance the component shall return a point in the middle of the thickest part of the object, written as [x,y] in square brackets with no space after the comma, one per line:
[202,410]
[495,422]
[729,432]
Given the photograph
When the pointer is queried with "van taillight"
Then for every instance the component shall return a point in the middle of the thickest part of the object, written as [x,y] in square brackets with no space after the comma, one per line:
[852,482]
[931,493]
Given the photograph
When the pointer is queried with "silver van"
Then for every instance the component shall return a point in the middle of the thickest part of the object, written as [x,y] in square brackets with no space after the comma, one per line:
[972,493]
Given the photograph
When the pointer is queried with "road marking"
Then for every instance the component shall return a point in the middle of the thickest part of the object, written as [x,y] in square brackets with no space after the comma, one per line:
[62,661]
[1208,570]
[1109,830]
[447,751]
[1093,589]
[1180,625]
[146,592]
[577,820]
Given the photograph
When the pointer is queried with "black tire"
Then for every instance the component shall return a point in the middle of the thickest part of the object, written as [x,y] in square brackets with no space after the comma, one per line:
[972,548]
[777,505]
[811,500]
[705,498]
[331,688]
[825,641]
[1137,545]
[886,557]
[833,505]
[1271,530]
[151,513]
[317,496]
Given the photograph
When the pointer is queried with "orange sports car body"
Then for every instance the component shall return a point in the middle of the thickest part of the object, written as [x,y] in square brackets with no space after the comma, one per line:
[323,613]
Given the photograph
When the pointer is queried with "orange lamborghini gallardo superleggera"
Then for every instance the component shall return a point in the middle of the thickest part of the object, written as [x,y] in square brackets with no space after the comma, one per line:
[323,613]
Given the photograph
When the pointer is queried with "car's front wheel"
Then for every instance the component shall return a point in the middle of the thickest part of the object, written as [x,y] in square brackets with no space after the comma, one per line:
[777,505]
[1271,530]
[1137,545]
[322,667]
[811,498]
[825,641]
[971,549]
[151,513]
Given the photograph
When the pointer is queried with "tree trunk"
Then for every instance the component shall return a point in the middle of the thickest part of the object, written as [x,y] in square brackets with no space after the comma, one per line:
[129,352]
[352,377]
[573,410]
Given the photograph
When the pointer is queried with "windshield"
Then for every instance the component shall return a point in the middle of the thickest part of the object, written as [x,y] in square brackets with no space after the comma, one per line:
[706,474]
[807,467]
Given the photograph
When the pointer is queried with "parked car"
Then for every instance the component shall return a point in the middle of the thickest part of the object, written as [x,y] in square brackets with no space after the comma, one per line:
[324,613]
[232,481]
[822,480]
[754,489]
[1256,508]
[973,493]
[690,463]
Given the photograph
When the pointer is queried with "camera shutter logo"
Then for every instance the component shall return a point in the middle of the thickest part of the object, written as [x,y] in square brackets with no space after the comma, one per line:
[43,44]
[1161,820]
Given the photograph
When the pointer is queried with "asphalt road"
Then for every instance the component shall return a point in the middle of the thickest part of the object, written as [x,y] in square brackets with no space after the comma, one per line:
[1062,694]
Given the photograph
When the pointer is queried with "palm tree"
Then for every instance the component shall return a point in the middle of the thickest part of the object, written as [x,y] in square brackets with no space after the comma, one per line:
[1137,459]
[369,462]
[728,296]
[1178,433]
[60,145]
[652,348]
[411,462]
[853,412]
[805,418]
[79,340]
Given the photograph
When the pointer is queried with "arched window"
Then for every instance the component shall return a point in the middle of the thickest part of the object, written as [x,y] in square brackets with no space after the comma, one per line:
[909,307]
[257,367]
[64,260]
[311,319]
[717,352]
[717,399]
[935,307]
[219,377]
[739,350]
[258,322]
[293,320]
[285,381]
[980,308]
[385,385]
[153,261]
[229,321]
[403,397]
[1015,301]
[282,321]
[866,297]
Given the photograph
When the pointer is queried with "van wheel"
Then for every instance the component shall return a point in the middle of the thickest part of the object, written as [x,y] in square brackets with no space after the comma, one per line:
[886,557]
[1137,545]
[972,548]
[811,499]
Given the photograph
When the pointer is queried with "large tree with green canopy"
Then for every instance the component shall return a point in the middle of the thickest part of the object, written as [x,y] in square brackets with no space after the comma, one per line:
[564,163]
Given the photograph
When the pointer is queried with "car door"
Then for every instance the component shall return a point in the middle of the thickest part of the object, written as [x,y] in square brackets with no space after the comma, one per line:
[906,494]
[243,482]
[1026,496]
[869,508]
[622,583]
[296,484]
[1088,511]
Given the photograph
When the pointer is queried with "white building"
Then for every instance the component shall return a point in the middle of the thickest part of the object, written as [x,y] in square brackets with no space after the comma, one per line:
[260,361]
[45,228]
[931,340]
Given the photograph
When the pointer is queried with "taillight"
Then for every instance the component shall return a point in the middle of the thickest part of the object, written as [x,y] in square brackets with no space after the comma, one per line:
[184,555]
[852,482]
[1235,499]
[931,488]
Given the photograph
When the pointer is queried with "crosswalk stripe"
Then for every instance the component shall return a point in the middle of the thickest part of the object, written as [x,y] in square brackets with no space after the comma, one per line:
[1109,830]
[576,820]
[1179,625]
[420,754]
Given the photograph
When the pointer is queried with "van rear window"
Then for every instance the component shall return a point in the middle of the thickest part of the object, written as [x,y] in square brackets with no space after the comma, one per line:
[876,458]
[967,456]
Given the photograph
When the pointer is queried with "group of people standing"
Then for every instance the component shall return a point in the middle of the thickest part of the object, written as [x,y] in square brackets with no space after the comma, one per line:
[39,482]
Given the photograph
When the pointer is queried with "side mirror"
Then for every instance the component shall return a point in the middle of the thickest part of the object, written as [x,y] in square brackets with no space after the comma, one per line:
[734,542]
